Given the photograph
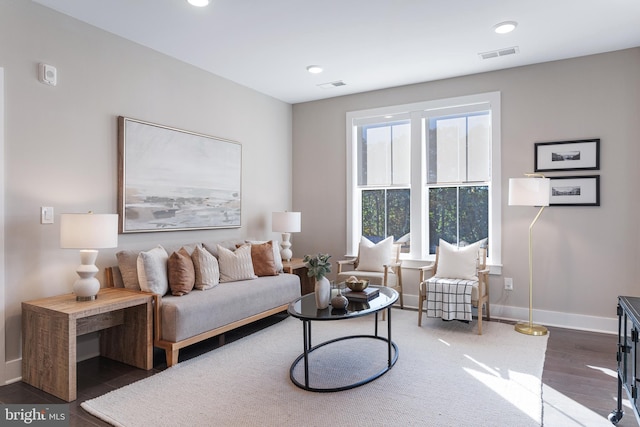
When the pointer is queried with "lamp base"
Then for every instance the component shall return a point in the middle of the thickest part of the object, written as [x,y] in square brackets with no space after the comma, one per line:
[87,287]
[531,329]
[285,251]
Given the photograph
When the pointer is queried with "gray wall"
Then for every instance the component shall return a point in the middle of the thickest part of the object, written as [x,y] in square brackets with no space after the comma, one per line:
[60,151]
[584,256]
[61,142]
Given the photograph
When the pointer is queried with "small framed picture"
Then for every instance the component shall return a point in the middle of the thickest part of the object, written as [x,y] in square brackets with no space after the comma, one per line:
[575,191]
[583,154]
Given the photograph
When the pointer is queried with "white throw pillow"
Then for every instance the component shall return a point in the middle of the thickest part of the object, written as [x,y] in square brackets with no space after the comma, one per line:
[458,263]
[372,257]
[235,265]
[152,270]
[206,267]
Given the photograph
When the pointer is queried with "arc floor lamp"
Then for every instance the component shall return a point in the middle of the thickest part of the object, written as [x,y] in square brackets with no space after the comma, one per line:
[534,190]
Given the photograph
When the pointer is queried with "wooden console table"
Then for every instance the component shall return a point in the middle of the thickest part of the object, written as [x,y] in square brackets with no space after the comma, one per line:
[299,268]
[50,327]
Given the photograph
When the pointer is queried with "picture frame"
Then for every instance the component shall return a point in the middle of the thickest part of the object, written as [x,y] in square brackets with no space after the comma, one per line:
[583,154]
[575,190]
[172,180]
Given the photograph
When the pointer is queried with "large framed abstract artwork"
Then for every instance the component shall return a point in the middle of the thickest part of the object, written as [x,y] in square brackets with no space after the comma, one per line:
[171,179]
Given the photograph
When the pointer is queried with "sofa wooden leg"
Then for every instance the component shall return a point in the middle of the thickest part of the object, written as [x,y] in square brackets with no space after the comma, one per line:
[420,310]
[172,357]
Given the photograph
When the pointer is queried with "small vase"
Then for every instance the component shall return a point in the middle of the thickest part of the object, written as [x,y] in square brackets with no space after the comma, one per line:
[323,293]
[339,302]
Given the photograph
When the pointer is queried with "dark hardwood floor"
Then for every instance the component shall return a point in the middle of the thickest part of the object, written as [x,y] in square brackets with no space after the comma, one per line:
[579,365]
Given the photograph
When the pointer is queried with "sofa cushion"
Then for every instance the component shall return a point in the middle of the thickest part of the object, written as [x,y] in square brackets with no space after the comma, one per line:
[236,265]
[206,269]
[212,247]
[152,270]
[182,276]
[198,312]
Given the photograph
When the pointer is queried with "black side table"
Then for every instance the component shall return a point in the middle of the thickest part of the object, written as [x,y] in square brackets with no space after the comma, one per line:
[628,337]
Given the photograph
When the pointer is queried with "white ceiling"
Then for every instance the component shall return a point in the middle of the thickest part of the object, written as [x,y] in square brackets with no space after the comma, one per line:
[369,44]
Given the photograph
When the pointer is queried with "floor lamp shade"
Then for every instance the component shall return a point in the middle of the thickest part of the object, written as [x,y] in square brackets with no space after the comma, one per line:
[531,191]
[286,223]
[88,232]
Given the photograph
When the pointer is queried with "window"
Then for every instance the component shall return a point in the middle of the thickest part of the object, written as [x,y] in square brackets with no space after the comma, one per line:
[458,177]
[384,156]
[426,171]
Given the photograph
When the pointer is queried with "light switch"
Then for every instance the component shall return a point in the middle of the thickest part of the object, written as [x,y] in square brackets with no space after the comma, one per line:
[46,215]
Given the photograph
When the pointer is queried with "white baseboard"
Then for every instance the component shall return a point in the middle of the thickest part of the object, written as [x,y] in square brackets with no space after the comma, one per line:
[606,325]
[13,371]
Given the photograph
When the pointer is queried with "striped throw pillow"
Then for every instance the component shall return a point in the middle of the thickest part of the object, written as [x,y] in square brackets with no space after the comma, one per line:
[206,267]
[236,265]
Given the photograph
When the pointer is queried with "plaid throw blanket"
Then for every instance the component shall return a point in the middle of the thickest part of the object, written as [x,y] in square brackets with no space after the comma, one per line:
[449,298]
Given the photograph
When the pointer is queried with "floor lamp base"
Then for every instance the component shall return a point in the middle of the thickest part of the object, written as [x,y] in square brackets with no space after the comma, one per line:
[531,329]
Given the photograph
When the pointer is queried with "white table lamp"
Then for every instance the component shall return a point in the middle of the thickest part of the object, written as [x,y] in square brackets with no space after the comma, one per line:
[531,191]
[88,232]
[286,223]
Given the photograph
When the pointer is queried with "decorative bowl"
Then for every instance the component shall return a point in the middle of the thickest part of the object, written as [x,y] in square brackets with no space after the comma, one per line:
[358,286]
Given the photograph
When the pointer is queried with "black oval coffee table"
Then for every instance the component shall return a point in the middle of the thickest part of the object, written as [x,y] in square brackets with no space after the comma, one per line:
[304,308]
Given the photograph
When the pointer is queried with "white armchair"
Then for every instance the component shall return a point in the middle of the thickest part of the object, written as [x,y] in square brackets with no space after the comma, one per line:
[456,275]
[379,263]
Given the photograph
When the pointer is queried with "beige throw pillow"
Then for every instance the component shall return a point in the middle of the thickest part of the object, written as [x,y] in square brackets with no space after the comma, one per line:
[235,265]
[181,273]
[458,263]
[128,265]
[206,269]
[152,271]
[372,257]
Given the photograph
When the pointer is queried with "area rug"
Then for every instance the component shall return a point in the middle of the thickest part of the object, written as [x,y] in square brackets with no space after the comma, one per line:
[445,375]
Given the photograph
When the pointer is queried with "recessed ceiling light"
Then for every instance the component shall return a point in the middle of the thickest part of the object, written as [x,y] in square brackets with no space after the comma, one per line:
[314,69]
[198,3]
[505,27]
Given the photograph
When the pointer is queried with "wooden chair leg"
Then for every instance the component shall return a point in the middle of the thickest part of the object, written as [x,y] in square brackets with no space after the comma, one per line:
[420,304]
[399,283]
[486,310]
[480,318]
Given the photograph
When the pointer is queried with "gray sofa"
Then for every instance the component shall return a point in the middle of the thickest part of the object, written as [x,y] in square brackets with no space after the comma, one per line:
[180,321]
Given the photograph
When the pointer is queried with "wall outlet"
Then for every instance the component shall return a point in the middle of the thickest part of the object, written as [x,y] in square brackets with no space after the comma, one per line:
[508,283]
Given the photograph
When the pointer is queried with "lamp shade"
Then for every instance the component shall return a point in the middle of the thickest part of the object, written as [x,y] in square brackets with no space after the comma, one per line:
[286,222]
[88,231]
[529,191]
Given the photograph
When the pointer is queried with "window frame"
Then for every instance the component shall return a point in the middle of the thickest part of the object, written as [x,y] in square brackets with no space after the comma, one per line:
[416,112]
